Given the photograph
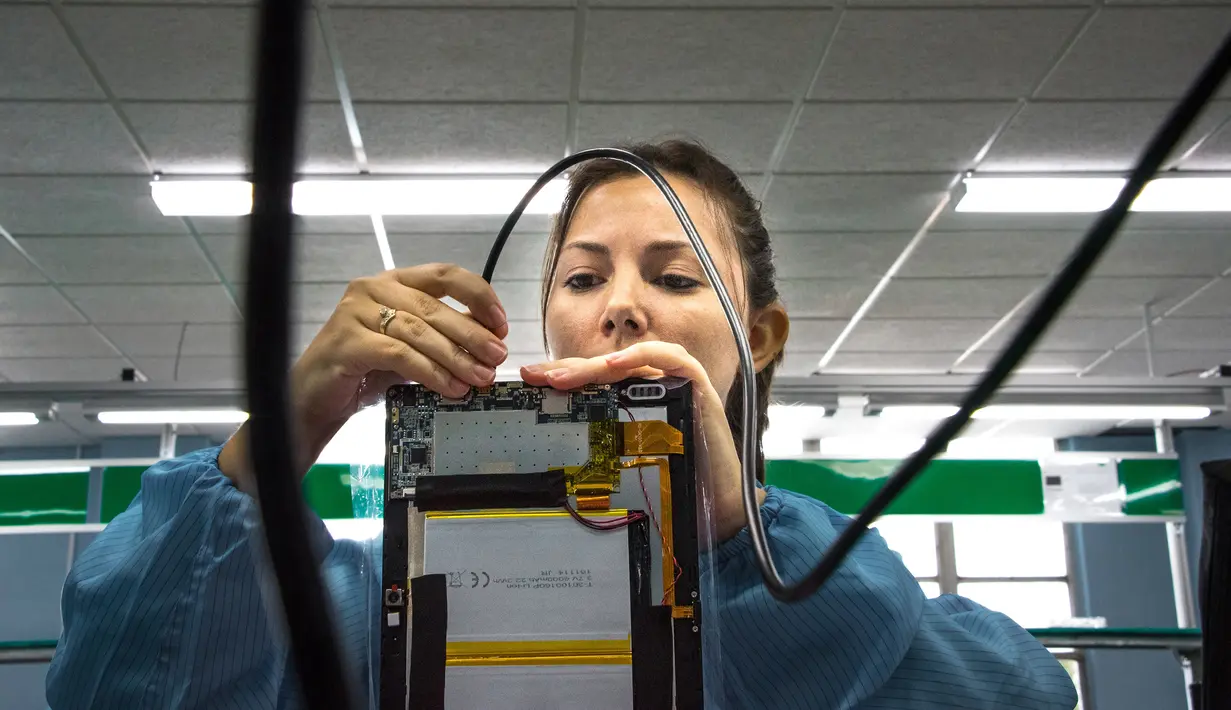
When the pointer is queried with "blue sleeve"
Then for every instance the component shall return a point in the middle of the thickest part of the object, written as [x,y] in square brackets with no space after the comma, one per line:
[164,609]
[869,638]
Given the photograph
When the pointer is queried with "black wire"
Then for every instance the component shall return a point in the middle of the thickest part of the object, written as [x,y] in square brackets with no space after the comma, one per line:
[275,123]
[1046,309]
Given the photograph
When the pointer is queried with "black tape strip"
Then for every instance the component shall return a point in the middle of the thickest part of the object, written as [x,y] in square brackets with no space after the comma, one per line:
[651,631]
[542,489]
[1215,587]
[652,664]
[689,680]
[393,635]
[428,631]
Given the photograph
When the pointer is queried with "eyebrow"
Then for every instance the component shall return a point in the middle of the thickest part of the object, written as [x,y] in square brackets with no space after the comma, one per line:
[655,247]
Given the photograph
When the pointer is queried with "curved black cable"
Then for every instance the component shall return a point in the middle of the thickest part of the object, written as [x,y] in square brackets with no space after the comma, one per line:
[1062,287]
[275,124]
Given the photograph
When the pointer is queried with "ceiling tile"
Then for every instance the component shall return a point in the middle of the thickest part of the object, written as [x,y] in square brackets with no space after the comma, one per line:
[82,205]
[1013,253]
[669,55]
[813,334]
[51,341]
[1192,334]
[943,335]
[65,138]
[522,259]
[36,59]
[455,55]
[1139,53]
[960,254]
[1038,363]
[211,339]
[519,298]
[14,269]
[743,135]
[529,225]
[153,304]
[1214,300]
[962,3]
[824,298]
[1072,334]
[199,138]
[314,303]
[332,258]
[199,52]
[1166,253]
[853,202]
[1167,364]
[953,221]
[1125,296]
[1090,136]
[892,137]
[836,254]
[958,53]
[1213,154]
[462,137]
[861,363]
[951,298]
[35,305]
[303,225]
[62,369]
[145,340]
[193,369]
[169,259]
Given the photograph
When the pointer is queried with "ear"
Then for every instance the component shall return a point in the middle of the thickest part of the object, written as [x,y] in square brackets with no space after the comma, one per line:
[768,333]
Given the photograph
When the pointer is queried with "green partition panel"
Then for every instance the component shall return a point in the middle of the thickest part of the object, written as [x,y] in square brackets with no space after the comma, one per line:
[326,488]
[120,486]
[1151,486]
[946,487]
[44,499]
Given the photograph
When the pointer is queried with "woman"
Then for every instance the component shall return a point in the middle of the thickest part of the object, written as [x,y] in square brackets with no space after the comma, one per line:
[163,609]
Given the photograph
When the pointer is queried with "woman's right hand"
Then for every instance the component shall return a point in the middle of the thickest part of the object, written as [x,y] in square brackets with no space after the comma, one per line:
[350,363]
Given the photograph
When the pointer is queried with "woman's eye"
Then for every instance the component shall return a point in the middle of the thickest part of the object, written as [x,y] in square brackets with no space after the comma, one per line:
[677,282]
[581,282]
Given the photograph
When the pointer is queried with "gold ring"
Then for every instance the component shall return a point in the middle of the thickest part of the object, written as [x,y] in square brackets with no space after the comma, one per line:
[387,315]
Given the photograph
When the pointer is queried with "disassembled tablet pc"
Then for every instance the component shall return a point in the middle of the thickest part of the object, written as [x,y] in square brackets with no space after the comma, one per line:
[540,549]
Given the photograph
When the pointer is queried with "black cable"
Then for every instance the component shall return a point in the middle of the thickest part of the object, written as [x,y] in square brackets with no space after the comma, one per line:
[1046,309]
[275,124]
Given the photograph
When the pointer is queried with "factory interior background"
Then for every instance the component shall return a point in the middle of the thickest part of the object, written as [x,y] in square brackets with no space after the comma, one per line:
[856,123]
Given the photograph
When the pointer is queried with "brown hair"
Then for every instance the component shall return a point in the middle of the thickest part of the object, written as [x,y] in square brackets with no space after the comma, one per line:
[736,207]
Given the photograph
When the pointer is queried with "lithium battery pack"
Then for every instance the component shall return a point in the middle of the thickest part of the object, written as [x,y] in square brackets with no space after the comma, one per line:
[541,549]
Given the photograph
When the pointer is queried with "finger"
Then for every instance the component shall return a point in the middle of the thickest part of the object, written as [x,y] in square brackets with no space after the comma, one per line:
[458,327]
[537,374]
[422,337]
[502,332]
[440,280]
[671,358]
[377,352]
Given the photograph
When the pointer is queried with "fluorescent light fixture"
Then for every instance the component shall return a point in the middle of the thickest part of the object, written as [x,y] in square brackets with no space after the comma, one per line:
[789,425]
[1082,412]
[1093,194]
[362,197]
[919,412]
[173,416]
[33,467]
[1012,447]
[881,447]
[18,418]
[1185,194]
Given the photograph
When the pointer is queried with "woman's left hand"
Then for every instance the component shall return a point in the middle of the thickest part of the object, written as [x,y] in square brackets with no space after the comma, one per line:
[716,457]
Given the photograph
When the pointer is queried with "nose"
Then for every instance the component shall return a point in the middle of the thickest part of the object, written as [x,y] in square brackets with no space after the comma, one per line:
[625,317]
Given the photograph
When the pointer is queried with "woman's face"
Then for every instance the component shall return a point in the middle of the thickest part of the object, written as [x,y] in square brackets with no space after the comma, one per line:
[627,273]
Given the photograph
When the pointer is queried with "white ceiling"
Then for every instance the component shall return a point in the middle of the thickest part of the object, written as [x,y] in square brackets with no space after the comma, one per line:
[851,121]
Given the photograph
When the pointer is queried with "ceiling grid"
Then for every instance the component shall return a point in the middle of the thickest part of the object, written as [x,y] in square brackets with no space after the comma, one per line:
[851,120]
